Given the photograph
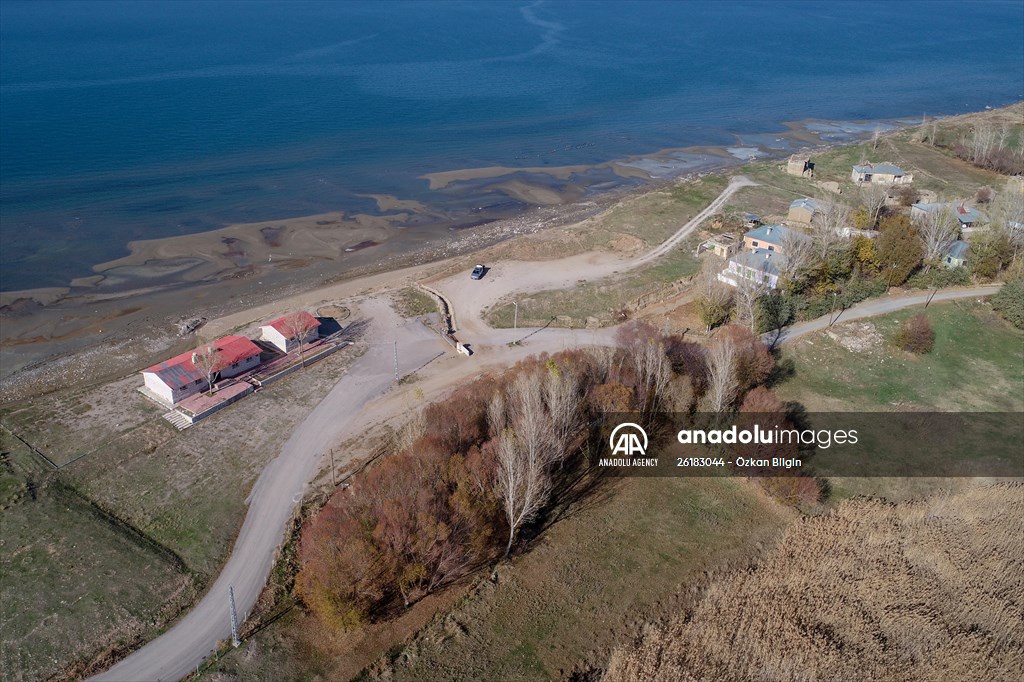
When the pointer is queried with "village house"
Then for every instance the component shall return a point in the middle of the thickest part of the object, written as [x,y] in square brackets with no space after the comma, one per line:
[801,165]
[171,381]
[803,210]
[956,254]
[760,266]
[770,238]
[881,174]
[722,245]
[967,215]
[282,332]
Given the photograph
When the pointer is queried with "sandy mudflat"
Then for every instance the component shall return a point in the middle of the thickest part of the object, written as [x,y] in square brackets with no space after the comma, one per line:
[387,202]
[444,178]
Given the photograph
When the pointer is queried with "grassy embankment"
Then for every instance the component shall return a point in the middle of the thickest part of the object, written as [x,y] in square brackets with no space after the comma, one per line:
[133,497]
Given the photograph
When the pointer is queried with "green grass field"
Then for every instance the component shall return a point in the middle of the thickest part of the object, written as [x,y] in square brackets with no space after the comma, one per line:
[977,365]
[75,584]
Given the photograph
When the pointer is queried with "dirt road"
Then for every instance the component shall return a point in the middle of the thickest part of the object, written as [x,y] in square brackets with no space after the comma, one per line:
[471,299]
[877,306]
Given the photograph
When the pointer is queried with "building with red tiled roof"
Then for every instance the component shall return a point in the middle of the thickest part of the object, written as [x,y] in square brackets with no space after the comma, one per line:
[283,331]
[171,381]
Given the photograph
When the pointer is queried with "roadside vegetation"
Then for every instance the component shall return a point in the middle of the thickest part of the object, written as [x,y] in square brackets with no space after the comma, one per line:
[412,302]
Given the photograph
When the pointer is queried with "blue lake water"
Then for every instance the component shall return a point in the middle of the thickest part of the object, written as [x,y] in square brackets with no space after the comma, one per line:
[132,120]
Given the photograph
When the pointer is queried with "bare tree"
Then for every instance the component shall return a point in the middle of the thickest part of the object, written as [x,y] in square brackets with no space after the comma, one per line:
[722,382]
[530,420]
[208,361]
[872,200]
[799,252]
[522,482]
[937,230]
[748,292]
[653,372]
[296,327]
[497,417]
[1009,210]
[714,298]
[562,395]
[830,223]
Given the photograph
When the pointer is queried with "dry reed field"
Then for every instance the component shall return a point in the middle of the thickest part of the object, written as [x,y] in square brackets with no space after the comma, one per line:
[924,590]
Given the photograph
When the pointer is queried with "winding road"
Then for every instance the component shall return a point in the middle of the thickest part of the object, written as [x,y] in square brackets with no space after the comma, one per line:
[363,395]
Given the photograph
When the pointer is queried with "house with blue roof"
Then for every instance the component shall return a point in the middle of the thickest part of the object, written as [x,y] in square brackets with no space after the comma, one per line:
[760,266]
[956,254]
[773,238]
[967,215]
[881,174]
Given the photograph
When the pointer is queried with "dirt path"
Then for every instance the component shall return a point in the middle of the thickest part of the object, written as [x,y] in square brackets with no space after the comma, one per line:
[878,306]
[471,299]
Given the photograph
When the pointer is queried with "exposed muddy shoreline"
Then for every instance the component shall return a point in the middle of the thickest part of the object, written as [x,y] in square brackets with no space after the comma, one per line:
[131,308]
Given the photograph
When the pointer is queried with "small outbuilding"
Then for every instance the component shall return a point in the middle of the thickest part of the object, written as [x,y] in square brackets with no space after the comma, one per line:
[286,332]
[956,254]
[803,210]
[171,381]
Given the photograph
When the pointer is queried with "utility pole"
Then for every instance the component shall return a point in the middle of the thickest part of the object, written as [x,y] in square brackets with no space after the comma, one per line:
[831,312]
[931,296]
[234,617]
[334,483]
[892,266]
[515,319]
[396,361]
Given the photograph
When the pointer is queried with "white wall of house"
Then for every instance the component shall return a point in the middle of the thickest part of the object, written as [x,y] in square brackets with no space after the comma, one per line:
[272,336]
[736,271]
[239,367]
[166,393]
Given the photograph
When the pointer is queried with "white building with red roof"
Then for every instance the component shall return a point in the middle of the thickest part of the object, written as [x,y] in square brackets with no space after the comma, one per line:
[285,331]
[171,381]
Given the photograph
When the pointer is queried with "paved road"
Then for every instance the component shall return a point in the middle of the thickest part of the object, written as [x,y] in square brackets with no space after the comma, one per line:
[279,488]
[878,306]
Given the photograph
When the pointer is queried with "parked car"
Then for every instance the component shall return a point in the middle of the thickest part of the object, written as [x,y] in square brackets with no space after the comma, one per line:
[478,272]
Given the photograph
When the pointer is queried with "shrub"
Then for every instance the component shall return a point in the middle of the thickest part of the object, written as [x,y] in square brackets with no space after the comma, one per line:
[916,335]
[1009,302]
[937,278]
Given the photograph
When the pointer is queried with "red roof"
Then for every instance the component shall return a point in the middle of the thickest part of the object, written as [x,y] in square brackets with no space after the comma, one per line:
[281,324]
[179,371]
